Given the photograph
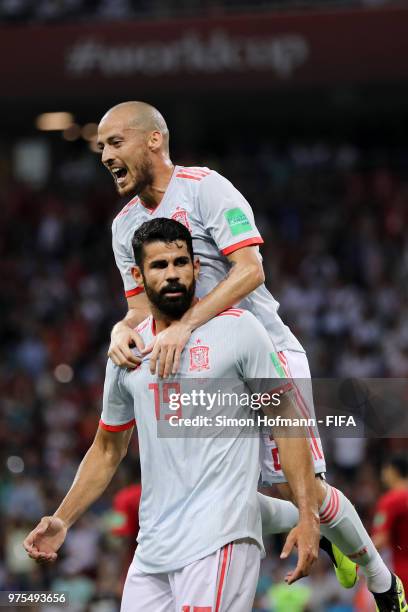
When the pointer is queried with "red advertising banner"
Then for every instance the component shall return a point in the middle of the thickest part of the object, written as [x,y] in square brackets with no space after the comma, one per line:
[262,51]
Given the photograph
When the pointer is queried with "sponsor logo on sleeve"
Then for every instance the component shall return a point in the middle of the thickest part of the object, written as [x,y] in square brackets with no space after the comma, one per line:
[238,221]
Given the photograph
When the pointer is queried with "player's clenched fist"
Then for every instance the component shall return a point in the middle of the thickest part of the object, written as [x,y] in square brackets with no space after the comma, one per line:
[43,542]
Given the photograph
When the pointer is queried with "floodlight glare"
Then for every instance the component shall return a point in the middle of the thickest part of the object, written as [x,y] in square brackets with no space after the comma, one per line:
[54,121]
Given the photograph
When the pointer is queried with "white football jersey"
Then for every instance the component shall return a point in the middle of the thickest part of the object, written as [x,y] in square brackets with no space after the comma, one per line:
[220,221]
[198,493]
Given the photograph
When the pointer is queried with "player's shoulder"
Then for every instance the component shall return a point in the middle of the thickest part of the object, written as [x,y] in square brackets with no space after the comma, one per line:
[249,326]
[238,316]
[395,497]
[193,174]
[113,376]
[236,313]
[386,502]
[126,212]
[145,328]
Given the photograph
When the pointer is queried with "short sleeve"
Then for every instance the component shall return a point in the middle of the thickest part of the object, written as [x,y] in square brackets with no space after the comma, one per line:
[383,517]
[126,511]
[125,262]
[226,214]
[256,356]
[118,411]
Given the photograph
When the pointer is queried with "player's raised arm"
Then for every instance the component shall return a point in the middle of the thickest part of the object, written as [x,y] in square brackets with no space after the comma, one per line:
[229,220]
[93,476]
[245,275]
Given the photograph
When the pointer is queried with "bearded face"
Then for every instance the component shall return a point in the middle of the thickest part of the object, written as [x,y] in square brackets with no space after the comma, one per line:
[126,155]
[172,300]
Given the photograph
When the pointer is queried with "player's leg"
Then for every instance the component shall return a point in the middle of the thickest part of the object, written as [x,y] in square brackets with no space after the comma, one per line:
[279,516]
[339,521]
[222,582]
[146,592]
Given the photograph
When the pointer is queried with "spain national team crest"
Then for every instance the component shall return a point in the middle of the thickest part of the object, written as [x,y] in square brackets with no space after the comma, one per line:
[199,358]
[180,215]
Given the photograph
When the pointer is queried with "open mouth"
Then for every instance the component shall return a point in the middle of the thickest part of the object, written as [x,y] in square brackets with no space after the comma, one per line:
[119,175]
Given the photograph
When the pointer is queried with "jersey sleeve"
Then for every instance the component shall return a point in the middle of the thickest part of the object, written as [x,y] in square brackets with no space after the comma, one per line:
[384,516]
[125,262]
[118,411]
[226,214]
[257,358]
[126,511]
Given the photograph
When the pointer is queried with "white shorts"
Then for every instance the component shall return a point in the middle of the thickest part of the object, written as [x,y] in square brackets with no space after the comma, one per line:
[296,367]
[225,581]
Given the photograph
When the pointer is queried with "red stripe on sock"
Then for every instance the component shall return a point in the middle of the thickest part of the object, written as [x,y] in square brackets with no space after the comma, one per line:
[328,508]
[333,514]
[331,511]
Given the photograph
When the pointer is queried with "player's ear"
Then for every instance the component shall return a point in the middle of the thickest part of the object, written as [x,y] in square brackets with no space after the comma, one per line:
[155,141]
[196,266]
[137,275]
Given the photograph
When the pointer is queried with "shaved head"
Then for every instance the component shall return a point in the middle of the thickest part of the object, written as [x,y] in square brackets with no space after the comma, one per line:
[140,115]
[134,142]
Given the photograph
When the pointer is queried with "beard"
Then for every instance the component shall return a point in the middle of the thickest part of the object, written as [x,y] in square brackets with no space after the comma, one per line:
[143,179]
[172,307]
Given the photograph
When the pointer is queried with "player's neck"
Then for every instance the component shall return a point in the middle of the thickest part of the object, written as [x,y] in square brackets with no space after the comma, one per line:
[161,321]
[153,194]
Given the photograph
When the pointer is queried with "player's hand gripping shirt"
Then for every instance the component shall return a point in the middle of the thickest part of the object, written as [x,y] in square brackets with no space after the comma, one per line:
[220,221]
[198,494]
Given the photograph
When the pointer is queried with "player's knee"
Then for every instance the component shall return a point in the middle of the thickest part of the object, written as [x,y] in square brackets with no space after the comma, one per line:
[321,488]
[286,492]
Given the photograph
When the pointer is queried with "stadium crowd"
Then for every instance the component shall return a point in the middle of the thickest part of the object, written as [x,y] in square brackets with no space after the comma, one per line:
[48,11]
[333,218]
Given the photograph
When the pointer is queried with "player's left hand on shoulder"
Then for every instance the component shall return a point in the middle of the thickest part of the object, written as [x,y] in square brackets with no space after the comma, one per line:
[167,348]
